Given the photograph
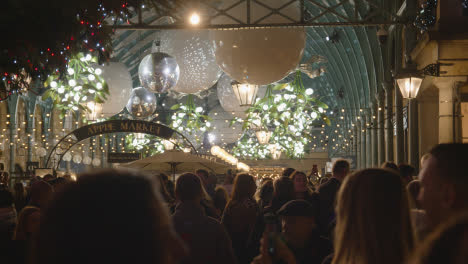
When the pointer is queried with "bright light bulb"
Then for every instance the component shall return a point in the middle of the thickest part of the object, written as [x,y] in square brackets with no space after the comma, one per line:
[72,83]
[194,19]
[199,109]
[309,91]
[71,71]
[313,115]
[91,77]
[99,86]
[98,71]
[88,57]
[61,90]
[53,84]
[320,109]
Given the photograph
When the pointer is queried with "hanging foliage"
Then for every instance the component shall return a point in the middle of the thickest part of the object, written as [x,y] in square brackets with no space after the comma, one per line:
[82,83]
[426,17]
[290,114]
[147,145]
[189,119]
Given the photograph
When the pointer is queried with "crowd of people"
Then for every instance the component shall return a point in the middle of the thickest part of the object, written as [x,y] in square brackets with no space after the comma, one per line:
[377,215]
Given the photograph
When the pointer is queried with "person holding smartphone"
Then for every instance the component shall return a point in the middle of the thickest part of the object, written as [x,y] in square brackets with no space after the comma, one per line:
[299,242]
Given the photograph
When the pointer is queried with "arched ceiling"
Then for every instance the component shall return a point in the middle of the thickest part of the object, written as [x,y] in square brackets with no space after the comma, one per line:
[353,70]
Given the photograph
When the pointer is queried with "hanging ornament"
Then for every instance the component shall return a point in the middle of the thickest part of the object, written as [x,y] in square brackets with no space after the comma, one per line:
[96,162]
[87,160]
[77,158]
[228,100]
[67,157]
[158,72]
[120,86]
[142,103]
[195,55]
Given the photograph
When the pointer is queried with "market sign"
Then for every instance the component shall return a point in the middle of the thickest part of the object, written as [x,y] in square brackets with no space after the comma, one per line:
[114,157]
[118,126]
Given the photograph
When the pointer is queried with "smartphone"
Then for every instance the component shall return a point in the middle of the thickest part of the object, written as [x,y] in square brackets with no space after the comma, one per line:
[271,231]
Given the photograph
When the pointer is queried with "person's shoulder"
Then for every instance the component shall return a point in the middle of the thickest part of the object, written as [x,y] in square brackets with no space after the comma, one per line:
[330,184]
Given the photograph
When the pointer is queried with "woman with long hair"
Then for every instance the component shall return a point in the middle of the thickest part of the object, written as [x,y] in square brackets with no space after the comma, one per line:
[109,216]
[301,187]
[28,223]
[283,192]
[240,216]
[265,194]
[373,221]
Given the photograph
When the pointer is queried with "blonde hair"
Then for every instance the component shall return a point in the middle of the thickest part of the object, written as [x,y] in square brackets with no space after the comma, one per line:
[373,221]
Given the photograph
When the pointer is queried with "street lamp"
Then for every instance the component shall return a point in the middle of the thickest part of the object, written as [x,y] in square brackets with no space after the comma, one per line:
[409,85]
[245,93]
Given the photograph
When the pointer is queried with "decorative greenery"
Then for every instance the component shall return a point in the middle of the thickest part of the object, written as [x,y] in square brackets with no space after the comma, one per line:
[189,119]
[290,115]
[249,148]
[147,145]
[82,83]
[426,17]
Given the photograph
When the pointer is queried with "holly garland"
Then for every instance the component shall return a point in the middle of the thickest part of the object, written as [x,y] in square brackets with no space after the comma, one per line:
[40,37]
[188,119]
[290,114]
[82,83]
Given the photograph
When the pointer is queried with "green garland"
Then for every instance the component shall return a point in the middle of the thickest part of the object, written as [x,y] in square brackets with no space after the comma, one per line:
[189,119]
[82,83]
[147,146]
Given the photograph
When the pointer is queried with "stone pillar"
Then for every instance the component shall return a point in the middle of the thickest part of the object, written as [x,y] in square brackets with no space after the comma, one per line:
[449,109]
[374,139]
[363,143]
[381,128]
[12,151]
[413,138]
[368,141]
[388,122]
[357,128]
[400,146]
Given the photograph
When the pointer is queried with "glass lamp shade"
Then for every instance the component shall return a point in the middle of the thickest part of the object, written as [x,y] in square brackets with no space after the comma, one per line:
[95,111]
[263,136]
[409,86]
[275,151]
[245,93]
[168,145]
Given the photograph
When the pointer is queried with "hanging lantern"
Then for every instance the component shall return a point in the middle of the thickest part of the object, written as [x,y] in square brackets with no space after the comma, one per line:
[275,151]
[263,136]
[409,85]
[168,145]
[245,93]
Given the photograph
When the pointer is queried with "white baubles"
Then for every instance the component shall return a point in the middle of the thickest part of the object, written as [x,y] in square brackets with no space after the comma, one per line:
[87,160]
[142,103]
[77,158]
[96,162]
[158,72]
[259,56]
[120,85]
[67,157]
[222,131]
[195,55]
[228,99]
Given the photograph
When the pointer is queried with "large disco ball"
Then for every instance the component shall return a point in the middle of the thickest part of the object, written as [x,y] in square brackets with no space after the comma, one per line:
[259,56]
[142,103]
[195,55]
[120,85]
[158,72]
[228,99]
[222,131]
